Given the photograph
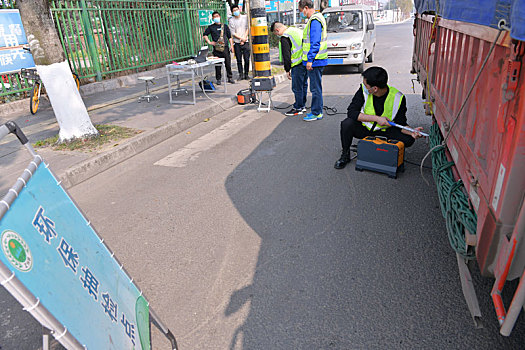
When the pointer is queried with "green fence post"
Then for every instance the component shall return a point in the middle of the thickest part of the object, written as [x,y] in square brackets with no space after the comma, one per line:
[88,32]
[188,27]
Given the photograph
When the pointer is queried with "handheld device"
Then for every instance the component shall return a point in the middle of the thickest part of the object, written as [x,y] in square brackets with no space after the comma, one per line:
[407,128]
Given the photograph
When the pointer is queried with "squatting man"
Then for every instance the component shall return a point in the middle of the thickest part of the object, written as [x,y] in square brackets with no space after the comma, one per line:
[375,104]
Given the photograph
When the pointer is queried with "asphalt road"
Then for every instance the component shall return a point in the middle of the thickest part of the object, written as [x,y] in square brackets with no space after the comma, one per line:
[243,235]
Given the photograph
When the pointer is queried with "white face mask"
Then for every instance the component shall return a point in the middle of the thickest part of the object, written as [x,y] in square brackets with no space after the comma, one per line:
[217,20]
[303,15]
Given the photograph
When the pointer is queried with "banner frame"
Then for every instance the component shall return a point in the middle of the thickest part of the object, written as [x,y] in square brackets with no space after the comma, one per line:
[18,290]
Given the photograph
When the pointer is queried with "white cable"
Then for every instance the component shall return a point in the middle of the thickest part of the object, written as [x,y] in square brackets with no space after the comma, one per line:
[4,282]
[204,91]
[211,99]
[32,307]
[61,335]
[24,181]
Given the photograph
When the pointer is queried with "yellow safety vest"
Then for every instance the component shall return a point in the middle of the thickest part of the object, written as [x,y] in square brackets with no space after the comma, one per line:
[296,37]
[323,49]
[392,104]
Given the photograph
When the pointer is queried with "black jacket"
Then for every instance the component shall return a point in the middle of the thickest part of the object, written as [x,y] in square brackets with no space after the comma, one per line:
[215,31]
[286,52]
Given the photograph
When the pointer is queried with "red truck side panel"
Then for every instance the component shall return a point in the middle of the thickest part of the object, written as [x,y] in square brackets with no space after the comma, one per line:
[487,141]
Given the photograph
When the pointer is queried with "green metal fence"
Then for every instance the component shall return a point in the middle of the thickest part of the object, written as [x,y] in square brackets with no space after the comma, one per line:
[108,38]
[103,38]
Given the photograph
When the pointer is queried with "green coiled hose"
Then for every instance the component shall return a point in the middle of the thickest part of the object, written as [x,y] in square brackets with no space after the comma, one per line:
[452,198]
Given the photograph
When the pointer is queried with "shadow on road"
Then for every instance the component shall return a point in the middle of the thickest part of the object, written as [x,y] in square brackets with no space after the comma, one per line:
[347,260]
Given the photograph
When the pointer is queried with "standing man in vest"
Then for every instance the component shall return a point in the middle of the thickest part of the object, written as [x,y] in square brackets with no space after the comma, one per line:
[292,52]
[373,106]
[315,55]
[239,27]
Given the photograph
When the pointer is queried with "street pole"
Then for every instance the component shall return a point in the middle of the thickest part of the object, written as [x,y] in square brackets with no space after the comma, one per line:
[294,11]
[259,33]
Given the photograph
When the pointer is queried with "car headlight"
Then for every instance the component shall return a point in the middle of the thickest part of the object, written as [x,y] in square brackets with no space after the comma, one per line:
[355,46]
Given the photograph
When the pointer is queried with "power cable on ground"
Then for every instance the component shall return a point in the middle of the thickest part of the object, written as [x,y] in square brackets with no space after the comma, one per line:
[328,110]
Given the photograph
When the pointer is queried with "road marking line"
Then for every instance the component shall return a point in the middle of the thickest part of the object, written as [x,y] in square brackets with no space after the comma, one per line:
[181,157]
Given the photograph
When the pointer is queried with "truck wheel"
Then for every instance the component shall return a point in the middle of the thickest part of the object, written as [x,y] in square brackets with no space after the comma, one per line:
[370,57]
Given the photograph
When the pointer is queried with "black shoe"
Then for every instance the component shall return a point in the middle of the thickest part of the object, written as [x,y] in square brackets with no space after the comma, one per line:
[241,77]
[231,81]
[246,76]
[219,82]
[294,112]
[343,161]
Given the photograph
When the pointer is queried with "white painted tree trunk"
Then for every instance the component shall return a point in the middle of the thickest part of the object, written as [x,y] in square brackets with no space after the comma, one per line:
[70,111]
[69,108]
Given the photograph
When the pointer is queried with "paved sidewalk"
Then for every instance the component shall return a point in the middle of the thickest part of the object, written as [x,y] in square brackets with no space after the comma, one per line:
[158,121]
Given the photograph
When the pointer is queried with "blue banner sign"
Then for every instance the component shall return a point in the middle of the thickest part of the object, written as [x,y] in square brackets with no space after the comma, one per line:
[14,60]
[273,6]
[12,38]
[53,250]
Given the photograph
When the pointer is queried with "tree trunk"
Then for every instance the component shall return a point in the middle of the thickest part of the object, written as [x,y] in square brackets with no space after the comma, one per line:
[234,2]
[53,69]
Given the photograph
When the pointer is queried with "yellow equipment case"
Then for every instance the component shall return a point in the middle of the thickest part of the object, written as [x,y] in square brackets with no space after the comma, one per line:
[379,154]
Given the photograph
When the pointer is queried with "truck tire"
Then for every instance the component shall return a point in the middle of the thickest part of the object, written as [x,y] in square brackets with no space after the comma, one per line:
[370,57]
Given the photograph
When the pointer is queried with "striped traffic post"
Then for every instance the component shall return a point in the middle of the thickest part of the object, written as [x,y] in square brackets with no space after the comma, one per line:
[259,32]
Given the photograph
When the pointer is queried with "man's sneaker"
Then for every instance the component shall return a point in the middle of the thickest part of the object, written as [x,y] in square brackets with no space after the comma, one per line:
[294,112]
[231,81]
[218,82]
[303,109]
[310,117]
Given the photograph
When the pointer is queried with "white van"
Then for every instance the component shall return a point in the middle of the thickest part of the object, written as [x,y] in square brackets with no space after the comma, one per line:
[351,35]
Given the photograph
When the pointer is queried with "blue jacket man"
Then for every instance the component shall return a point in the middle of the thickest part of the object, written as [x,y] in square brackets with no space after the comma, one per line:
[315,55]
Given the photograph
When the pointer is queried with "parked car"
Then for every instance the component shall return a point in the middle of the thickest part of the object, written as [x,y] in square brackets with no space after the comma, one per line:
[351,35]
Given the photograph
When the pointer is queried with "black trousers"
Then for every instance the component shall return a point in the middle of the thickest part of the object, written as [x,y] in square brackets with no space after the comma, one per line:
[227,63]
[351,128]
[242,52]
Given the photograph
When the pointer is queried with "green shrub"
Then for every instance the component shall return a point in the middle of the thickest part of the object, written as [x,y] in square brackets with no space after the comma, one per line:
[273,39]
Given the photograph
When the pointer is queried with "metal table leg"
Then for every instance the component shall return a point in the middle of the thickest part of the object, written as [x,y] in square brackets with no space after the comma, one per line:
[193,85]
[224,74]
[169,84]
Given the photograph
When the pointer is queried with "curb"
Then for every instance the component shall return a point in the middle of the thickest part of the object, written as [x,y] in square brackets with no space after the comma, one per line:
[101,162]
[14,107]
